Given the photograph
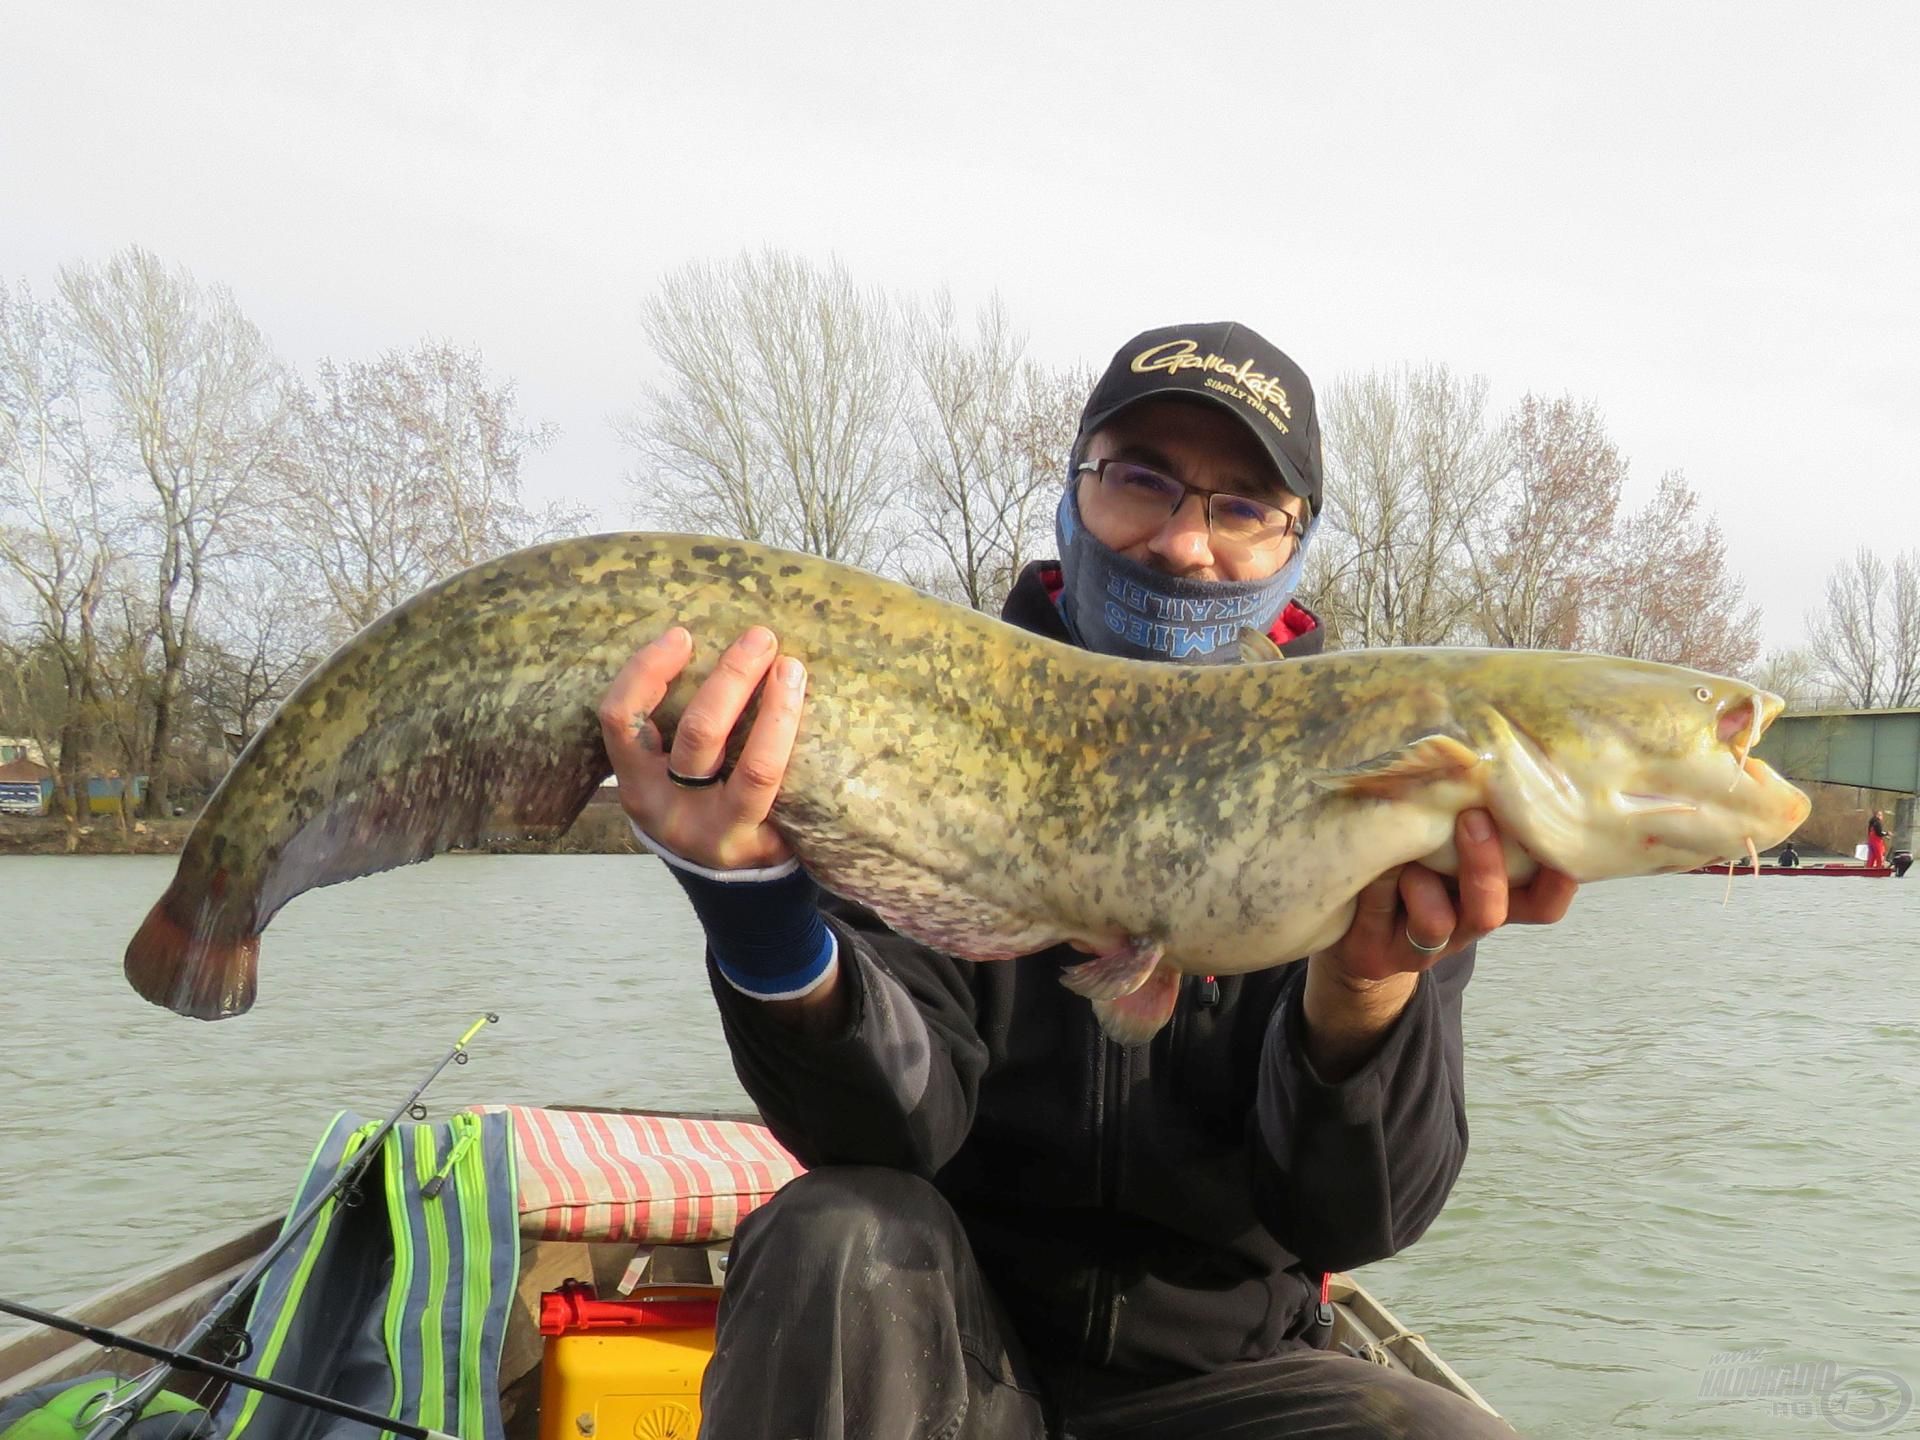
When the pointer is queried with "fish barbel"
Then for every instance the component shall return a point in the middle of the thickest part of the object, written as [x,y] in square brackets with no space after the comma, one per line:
[982,789]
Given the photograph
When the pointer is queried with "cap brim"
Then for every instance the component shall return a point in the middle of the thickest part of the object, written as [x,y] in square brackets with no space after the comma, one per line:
[1289,472]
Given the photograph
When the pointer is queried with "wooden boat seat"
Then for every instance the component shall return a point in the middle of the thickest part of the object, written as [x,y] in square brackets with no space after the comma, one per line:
[615,1177]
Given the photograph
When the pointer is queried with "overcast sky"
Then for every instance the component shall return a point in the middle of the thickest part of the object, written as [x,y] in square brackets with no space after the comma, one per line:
[1705,217]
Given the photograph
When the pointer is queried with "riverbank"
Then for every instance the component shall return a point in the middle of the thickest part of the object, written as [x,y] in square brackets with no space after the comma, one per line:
[101,835]
[600,830]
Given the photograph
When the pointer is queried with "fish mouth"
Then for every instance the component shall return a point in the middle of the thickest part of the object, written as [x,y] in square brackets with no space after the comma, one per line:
[1740,726]
[1742,723]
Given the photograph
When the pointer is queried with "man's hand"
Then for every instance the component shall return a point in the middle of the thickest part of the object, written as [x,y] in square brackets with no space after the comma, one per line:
[1358,986]
[724,826]
[1412,907]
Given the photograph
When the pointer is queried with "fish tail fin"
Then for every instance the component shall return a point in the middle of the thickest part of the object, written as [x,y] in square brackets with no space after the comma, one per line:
[1136,1018]
[204,976]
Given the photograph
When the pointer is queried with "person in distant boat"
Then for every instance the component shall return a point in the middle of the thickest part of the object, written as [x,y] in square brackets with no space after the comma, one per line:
[1877,839]
[1788,857]
[1013,1227]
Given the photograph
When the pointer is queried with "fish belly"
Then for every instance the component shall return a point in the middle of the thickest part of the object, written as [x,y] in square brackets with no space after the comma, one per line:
[1310,872]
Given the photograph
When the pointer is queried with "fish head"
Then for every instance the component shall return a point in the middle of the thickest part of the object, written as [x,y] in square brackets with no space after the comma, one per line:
[1604,768]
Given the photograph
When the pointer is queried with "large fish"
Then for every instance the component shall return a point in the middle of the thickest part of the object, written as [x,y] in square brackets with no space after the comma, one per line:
[982,789]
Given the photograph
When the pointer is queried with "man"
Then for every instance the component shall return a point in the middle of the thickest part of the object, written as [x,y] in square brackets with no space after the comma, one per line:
[1877,839]
[1013,1227]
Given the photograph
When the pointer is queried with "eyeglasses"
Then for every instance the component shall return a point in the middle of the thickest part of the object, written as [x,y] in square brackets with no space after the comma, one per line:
[1137,495]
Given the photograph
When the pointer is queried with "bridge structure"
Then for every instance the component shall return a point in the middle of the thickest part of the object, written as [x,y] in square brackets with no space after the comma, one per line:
[1874,749]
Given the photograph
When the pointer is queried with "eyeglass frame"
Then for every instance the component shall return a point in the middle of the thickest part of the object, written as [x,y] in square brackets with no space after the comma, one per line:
[1296,527]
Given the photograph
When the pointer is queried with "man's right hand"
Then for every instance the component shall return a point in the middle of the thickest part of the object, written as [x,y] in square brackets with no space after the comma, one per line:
[724,826]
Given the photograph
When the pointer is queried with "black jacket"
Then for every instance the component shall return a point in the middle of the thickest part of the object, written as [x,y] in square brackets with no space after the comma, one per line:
[1160,1210]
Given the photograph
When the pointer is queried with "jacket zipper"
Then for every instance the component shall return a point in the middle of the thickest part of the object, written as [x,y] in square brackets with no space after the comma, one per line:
[1097,1104]
[1103,1319]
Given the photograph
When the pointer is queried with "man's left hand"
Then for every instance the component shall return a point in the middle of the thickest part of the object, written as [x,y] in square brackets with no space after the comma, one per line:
[1414,904]
[1357,987]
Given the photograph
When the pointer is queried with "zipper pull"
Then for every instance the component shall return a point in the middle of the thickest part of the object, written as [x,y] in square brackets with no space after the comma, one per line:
[460,1147]
[1209,991]
[1321,1332]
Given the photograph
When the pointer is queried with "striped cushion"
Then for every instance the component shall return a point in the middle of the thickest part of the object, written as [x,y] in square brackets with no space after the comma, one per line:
[653,1179]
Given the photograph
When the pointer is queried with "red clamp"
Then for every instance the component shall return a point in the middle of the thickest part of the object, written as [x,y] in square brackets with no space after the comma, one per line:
[574,1309]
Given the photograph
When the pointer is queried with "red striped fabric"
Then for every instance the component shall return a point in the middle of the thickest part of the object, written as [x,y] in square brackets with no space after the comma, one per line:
[651,1179]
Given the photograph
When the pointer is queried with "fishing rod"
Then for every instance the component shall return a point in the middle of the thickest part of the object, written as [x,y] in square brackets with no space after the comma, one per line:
[117,1416]
[181,1360]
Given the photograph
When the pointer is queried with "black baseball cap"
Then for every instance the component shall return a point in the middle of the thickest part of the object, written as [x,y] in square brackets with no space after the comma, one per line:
[1230,366]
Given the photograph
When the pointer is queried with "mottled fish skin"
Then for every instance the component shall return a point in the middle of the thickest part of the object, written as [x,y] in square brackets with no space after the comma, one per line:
[983,789]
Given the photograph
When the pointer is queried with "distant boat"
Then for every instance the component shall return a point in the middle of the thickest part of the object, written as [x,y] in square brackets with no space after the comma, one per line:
[1832,871]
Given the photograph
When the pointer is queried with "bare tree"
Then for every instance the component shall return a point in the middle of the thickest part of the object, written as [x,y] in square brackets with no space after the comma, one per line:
[1793,675]
[405,470]
[777,417]
[1667,593]
[61,536]
[200,397]
[1867,639]
[131,671]
[990,431]
[1412,463]
[265,633]
[1039,438]
[1543,549]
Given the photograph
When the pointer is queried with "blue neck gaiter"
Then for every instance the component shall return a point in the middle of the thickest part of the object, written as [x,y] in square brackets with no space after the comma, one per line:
[1118,606]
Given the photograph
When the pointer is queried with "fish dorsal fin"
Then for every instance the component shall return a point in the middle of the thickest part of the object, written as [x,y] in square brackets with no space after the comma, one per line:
[1258,648]
[1426,760]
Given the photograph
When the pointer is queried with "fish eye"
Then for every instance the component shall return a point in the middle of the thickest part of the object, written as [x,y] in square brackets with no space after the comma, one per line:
[1702,694]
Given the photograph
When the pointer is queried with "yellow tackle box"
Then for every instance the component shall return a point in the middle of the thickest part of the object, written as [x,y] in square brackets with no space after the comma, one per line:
[627,1367]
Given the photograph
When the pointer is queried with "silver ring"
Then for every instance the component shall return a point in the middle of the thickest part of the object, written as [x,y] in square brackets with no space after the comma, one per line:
[1426,949]
[695,782]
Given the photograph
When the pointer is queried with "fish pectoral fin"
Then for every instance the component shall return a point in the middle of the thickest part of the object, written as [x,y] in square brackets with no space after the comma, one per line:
[1136,1018]
[1116,973]
[1655,805]
[1430,758]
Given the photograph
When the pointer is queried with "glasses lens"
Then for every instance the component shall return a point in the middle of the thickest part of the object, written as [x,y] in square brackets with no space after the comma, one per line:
[1142,497]
[1137,490]
[1247,521]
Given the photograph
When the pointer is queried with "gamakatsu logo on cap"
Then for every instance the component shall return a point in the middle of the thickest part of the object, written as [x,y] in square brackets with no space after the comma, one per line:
[1185,355]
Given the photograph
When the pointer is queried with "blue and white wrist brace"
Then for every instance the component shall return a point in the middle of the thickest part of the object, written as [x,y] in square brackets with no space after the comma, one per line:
[763,925]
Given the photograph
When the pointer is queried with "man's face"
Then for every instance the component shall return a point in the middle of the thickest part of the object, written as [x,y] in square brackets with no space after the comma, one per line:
[1209,450]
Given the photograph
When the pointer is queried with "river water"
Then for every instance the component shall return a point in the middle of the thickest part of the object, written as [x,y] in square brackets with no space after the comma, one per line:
[1695,1127]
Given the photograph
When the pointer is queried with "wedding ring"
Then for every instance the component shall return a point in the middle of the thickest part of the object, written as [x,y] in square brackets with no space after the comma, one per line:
[1427,949]
[694,782]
